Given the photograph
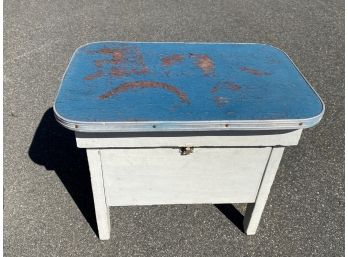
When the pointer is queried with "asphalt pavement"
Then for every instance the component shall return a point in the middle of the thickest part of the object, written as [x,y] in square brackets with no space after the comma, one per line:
[48,208]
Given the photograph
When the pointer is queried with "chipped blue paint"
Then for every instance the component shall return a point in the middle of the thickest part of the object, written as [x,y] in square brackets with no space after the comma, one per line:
[230,82]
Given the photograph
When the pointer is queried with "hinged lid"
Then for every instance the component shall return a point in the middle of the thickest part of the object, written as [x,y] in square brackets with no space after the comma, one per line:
[128,86]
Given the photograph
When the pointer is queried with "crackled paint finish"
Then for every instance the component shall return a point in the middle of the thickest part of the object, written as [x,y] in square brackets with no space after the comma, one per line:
[123,81]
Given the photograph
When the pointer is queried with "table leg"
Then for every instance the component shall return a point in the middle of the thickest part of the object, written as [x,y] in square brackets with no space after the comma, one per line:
[97,181]
[254,210]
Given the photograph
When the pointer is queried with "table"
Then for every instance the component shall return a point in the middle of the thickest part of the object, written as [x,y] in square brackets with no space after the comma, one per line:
[184,123]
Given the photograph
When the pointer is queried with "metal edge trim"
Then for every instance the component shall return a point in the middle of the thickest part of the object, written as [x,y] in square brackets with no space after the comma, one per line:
[221,125]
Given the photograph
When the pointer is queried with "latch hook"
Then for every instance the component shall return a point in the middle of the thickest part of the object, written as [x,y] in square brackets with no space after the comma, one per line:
[186,150]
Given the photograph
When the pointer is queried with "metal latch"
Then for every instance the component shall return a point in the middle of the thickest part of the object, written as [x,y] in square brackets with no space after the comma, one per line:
[186,150]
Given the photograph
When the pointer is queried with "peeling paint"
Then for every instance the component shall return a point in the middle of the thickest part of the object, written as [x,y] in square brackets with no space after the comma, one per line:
[221,101]
[204,63]
[145,84]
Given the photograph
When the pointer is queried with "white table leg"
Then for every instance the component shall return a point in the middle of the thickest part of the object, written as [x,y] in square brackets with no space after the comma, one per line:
[254,210]
[97,181]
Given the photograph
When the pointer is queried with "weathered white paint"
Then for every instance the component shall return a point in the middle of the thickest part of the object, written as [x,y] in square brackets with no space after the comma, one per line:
[112,140]
[254,210]
[163,176]
[97,181]
[138,169]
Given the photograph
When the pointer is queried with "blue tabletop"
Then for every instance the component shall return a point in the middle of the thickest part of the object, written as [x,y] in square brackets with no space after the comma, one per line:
[129,86]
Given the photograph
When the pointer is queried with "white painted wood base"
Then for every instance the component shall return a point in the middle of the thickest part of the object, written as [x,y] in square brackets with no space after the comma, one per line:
[164,176]
[229,169]
[97,181]
[254,210]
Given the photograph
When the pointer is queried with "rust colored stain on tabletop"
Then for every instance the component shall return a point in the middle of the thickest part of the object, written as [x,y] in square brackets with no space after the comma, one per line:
[125,61]
[204,63]
[254,72]
[94,76]
[117,54]
[145,84]
[172,59]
